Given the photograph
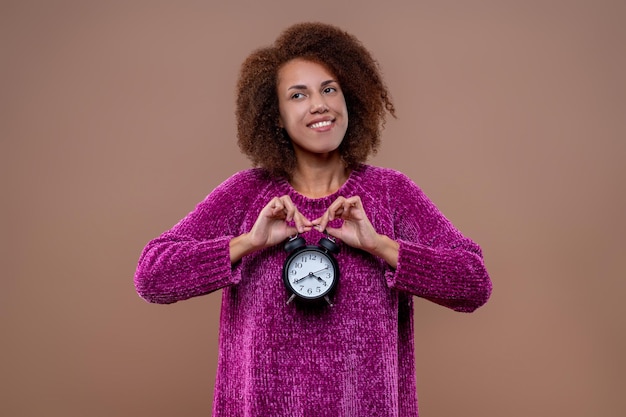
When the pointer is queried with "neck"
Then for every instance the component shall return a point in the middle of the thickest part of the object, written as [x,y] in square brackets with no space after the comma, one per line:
[316,180]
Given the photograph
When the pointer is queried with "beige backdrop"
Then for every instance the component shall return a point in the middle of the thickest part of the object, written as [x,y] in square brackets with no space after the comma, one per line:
[117,117]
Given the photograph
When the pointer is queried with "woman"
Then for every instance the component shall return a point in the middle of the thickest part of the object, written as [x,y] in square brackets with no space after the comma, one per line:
[310,109]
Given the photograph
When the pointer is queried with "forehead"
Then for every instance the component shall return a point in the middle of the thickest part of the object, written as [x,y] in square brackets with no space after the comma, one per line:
[303,71]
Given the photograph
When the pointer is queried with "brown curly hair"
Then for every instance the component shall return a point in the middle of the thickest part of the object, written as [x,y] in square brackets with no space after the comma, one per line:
[259,136]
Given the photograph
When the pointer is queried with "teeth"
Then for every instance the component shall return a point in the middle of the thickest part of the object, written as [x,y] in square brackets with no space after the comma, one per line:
[320,124]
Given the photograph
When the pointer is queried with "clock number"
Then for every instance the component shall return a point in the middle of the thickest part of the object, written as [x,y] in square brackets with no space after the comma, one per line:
[309,290]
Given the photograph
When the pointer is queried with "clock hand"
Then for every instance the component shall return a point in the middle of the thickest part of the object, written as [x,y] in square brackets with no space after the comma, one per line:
[311,274]
[303,278]
[319,278]
[317,272]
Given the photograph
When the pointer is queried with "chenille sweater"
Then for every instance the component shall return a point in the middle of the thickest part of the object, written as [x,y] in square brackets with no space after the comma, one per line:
[355,358]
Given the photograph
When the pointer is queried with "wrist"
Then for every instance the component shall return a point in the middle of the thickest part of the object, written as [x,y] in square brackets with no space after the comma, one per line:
[240,246]
[387,249]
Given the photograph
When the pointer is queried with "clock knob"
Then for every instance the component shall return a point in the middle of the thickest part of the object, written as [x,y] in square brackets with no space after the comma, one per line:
[329,244]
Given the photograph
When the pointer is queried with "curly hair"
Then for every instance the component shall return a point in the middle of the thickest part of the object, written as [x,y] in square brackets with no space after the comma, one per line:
[367,100]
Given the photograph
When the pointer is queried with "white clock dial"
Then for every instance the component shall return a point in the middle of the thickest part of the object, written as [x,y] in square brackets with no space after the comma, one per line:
[310,273]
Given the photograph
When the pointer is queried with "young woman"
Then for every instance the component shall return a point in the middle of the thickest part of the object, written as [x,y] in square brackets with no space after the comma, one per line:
[310,110]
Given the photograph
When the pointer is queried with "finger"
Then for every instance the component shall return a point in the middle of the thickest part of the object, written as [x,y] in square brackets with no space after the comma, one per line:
[302,223]
[355,201]
[292,212]
[291,231]
[321,222]
[333,232]
[336,208]
[352,203]
[288,207]
[275,206]
[352,208]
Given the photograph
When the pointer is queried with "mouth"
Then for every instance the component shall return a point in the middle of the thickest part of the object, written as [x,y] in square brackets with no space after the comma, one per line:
[321,124]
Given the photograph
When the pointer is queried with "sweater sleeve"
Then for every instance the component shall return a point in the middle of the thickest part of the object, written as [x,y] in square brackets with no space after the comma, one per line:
[193,258]
[435,260]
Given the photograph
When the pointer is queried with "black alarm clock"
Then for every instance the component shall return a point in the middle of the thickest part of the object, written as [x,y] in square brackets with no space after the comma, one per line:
[311,272]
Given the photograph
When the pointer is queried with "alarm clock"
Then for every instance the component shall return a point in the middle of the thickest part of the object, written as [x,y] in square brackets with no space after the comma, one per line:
[311,273]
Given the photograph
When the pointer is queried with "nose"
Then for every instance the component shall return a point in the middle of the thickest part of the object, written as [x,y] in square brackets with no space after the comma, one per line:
[318,104]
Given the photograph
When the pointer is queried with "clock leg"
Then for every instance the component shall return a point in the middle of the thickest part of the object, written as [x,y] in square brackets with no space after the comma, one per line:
[291,298]
[328,301]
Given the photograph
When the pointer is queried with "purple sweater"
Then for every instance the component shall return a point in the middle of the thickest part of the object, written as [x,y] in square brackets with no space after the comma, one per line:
[353,359]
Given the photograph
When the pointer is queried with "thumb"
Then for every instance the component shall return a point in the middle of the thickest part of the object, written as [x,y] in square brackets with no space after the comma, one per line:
[333,231]
[291,231]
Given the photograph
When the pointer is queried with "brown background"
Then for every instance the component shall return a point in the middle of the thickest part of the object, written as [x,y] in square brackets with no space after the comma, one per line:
[117,118]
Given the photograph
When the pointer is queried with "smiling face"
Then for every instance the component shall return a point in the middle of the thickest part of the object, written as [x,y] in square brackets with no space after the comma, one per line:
[312,108]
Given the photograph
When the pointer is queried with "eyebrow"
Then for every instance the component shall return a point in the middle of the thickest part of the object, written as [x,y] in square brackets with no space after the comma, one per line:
[304,87]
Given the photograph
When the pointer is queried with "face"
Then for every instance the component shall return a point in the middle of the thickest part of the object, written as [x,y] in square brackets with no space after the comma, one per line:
[312,108]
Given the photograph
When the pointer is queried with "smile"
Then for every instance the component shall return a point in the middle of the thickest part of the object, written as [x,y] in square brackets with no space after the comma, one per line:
[321,124]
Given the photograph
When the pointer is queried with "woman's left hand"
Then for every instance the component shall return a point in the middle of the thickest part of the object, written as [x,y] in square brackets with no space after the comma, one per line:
[357,230]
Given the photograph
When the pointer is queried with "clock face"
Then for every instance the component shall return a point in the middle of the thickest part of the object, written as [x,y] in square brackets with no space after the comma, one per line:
[310,273]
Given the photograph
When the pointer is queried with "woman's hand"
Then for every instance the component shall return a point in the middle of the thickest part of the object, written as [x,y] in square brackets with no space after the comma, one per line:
[357,230]
[270,228]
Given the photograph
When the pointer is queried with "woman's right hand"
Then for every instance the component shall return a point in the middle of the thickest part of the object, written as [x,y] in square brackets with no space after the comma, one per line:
[270,228]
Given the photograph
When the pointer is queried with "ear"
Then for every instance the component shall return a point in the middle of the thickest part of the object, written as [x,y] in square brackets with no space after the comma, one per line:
[280,123]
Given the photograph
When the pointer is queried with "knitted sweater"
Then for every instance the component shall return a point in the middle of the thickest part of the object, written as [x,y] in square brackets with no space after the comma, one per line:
[355,358]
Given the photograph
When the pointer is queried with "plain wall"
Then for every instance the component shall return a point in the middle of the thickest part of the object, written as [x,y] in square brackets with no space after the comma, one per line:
[117,118]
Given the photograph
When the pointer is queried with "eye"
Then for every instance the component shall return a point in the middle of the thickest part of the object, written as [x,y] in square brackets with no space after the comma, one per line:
[329,90]
[296,96]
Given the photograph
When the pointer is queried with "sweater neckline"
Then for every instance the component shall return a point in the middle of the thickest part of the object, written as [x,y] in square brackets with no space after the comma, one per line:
[346,189]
